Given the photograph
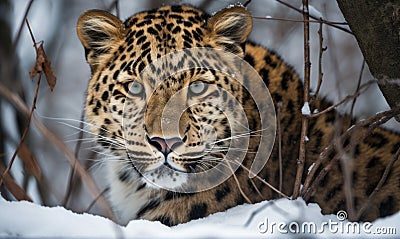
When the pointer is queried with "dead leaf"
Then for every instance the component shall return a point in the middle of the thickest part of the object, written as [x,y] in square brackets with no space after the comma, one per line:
[30,162]
[38,67]
[48,71]
[43,65]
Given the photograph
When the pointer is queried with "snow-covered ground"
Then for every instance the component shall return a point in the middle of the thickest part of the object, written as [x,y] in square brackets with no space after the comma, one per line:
[281,218]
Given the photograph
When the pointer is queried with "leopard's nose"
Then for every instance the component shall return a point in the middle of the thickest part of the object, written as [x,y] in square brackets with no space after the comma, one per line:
[165,145]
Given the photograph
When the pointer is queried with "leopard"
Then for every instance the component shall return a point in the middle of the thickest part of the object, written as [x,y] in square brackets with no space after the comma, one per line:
[152,146]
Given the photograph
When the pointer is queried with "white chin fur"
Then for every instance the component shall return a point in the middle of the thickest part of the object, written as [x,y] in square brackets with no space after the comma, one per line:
[165,180]
[123,196]
[126,200]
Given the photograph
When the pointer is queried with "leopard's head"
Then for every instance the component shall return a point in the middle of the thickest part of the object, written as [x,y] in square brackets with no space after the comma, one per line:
[165,98]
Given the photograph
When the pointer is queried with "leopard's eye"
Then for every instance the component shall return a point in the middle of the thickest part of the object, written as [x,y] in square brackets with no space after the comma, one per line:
[136,89]
[197,88]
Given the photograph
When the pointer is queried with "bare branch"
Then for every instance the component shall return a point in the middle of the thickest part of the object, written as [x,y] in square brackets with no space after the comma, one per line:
[304,123]
[321,51]
[357,90]
[372,123]
[348,98]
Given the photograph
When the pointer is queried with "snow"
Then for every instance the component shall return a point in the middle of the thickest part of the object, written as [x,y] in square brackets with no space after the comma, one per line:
[305,110]
[277,218]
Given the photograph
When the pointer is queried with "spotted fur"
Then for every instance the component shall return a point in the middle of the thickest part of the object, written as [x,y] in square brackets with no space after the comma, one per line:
[118,51]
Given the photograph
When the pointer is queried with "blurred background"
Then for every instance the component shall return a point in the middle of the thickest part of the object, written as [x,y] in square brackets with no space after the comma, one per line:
[53,22]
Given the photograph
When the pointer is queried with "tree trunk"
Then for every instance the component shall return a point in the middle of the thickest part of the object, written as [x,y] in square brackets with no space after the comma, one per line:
[376,26]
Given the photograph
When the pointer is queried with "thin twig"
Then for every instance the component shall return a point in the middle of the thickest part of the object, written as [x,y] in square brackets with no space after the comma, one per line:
[28,122]
[117,9]
[246,3]
[238,184]
[380,184]
[347,98]
[72,178]
[306,98]
[86,178]
[320,21]
[79,168]
[25,133]
[255,188]
[316,18]
[96,199]
[321,51]
[21,26]
[346,163]
[381,117]
[372,123]
[278,116]
[357,90]
[262,180]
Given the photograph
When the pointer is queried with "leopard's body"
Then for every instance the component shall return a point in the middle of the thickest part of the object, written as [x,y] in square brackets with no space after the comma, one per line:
[117,52]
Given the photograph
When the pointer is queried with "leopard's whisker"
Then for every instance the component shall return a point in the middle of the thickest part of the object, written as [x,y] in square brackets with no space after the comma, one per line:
[88,131]
[245,134]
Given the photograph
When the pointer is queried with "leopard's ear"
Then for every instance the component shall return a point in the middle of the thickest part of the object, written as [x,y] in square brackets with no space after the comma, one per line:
[230,28]
[100,32]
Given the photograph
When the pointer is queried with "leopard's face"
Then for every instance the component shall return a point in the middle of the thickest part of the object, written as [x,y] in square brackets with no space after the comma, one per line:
[181,123]
[164,96]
